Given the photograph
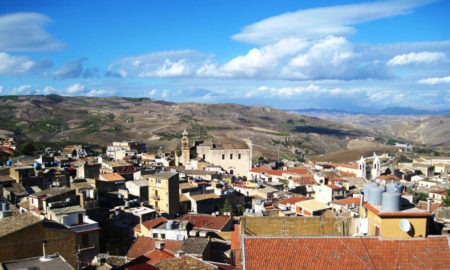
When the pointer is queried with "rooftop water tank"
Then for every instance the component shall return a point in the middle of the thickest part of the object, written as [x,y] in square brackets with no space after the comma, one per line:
[127,204]
[391,187]
[5,206]
[169,224]
[375,195]
[369,187]
[35,165]
[366,187]
[390,201]
[8,163]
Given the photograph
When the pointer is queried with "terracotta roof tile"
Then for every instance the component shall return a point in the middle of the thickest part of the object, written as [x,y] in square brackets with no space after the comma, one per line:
[112,177]
[154,222]
[334,186]
[293,200]
[143,245]
[158,255]
[346,253]
[207,221]
[423,206]
[343,165]
[347,201]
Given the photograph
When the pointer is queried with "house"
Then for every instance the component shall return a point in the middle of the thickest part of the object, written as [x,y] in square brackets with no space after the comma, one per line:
[212,223]
[164,192]
[328,193]
[109,182]
[233,158]
[144,229]
[171,230]
[437,195]
[139,189]
[143,245]
[86,193]
[197,247]
[49,262]
[41,201]
[86,230]
[290,202]
[205,203]
[21,237]
[87,170]
[310,208]
[344,253]
[14,192]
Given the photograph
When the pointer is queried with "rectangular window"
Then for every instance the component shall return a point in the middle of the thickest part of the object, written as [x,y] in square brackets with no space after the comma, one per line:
[239,156]
[204,156]
[231,156]
[155,235]
[158,181]
[163,236]
[223,156]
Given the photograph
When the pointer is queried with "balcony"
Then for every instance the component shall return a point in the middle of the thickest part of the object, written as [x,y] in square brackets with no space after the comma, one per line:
[88,224]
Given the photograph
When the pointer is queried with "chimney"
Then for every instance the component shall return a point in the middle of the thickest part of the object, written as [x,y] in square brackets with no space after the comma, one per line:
[429,205]
[179,253]
[44,246]
[160,245]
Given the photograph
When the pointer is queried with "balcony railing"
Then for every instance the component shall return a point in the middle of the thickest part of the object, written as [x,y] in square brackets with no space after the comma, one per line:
[86,246]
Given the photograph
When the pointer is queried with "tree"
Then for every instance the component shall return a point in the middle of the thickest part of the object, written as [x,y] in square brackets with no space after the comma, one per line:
[26,148]
[420,196]
[226,207]
[446,200]
[178,151]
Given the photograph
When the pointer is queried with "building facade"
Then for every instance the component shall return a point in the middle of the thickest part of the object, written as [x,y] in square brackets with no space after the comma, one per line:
[163,192]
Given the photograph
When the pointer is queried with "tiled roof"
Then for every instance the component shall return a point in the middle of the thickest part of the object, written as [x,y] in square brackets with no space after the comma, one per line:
[346,253]
[347,201]
[389,177]
[158,255]
[304,180]
[293,200]
[112,177]
[195,245]
[154,222]
[184,263]
[143,245]
[277,173]
[343,165]
[423,206]
[207,221]
[334,186]
[202,197]
[54,191]
[15,223]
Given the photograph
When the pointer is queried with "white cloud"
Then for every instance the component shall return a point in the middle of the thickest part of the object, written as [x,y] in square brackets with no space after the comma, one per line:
[25,32]
[50,90]
[75,88]
[265,59]
[416,58]
[25,90]
[432,81]
[320,22]
[311,89]
[159,64]
[152,92]
[21,65]
[1,88]
[99,92]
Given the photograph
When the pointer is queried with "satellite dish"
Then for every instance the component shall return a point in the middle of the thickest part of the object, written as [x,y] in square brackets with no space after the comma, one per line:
[405,226]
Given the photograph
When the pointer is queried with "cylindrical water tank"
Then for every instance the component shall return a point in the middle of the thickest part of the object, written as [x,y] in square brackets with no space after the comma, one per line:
[169,224]
[390,187]
[400,188]
[366,187]
[390,201]
[127,204]
[375,195]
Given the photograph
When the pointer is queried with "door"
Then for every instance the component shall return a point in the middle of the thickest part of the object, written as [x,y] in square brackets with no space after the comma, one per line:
[377,231]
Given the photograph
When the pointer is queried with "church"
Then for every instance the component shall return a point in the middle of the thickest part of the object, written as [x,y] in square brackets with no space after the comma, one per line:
[234,158]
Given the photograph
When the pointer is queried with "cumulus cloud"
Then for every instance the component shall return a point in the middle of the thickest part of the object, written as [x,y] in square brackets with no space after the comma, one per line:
[22,65]
[70,70]
[25,90]
[158,64]
[437,80]
[417,58]
[25,32]
[99,92]
[320,22]
[75,88]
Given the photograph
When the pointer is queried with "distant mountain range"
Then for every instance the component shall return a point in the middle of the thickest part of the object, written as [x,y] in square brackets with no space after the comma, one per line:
[385,111]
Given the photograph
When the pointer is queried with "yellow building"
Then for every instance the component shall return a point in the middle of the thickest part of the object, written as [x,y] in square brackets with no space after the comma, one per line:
[163,191]
[388,224]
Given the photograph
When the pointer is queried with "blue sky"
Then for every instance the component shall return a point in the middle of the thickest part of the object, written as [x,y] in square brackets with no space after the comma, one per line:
[351,55]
